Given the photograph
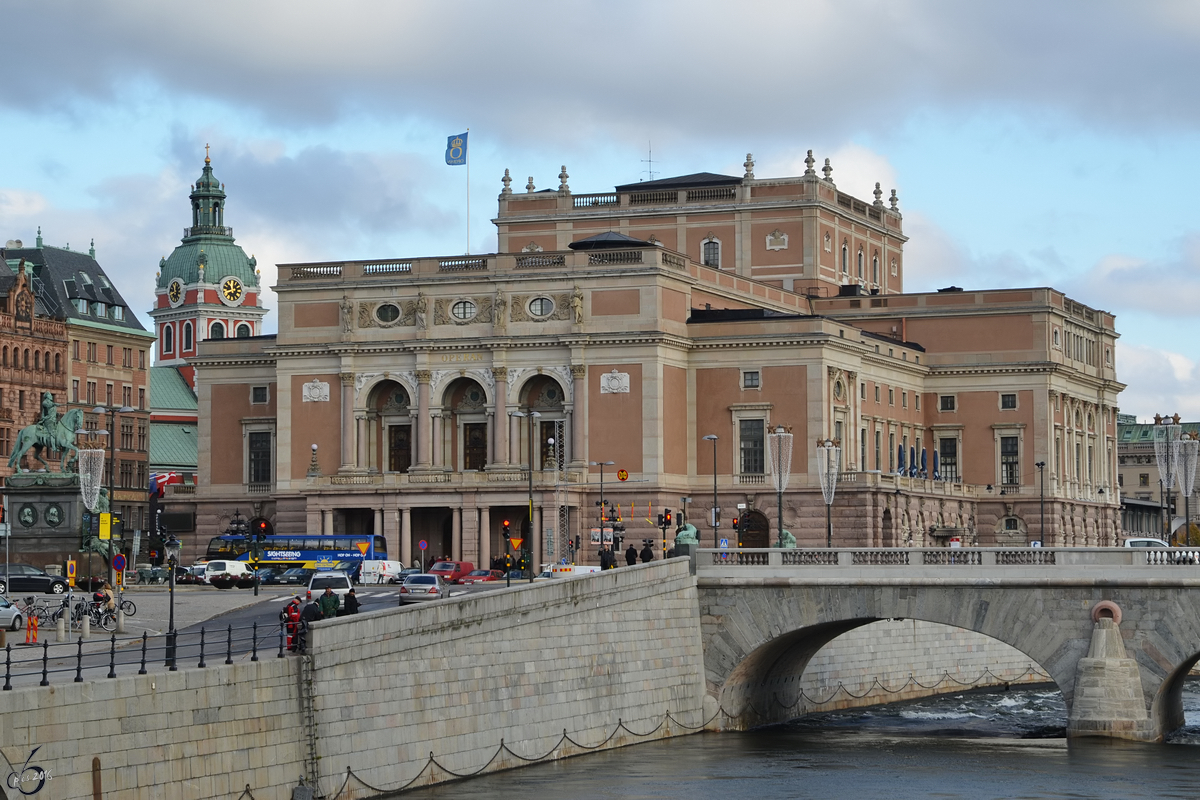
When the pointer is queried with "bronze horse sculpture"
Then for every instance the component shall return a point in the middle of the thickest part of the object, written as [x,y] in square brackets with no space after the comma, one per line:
[62,438]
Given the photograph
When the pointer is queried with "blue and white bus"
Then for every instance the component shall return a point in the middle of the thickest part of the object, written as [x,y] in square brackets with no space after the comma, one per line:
[312,551]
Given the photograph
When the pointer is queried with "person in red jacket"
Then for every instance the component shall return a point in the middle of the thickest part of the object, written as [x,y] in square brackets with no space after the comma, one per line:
[290,616]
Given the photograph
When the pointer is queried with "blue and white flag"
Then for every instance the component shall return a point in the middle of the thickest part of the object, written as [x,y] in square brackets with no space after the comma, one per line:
[456,149]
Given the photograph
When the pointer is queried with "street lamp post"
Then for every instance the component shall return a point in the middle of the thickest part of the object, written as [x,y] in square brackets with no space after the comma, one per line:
[716,518]
[1041,465]
[601,503]
[112,450]
[1167,431]
[829,456]
[533,416]
[779,455]
[172,547]
[1189,449]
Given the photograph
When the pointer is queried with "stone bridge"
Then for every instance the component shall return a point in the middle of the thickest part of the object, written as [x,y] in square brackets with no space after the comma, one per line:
[1117,629]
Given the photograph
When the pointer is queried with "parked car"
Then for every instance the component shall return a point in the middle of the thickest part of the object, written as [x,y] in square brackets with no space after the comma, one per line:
[235,569]
[352,568]
[336,580]
[24,578]
[296,576]
[265,574]
[1140,541]
[482,576]
[422,588]
[1174,555]
[518,575]
[198,571]
[10,615]
[452,571]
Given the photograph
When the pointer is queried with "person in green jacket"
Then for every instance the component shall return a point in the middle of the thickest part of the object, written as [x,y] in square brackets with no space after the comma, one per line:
[329,604]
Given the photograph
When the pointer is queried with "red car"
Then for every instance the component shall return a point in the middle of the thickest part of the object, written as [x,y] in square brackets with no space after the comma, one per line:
[482,576]
[452,571]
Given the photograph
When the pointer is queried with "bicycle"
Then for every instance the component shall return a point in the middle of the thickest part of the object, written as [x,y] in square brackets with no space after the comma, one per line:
[127,608]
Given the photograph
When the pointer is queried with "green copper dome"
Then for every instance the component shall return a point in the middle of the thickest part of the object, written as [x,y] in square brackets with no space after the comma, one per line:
[208,244]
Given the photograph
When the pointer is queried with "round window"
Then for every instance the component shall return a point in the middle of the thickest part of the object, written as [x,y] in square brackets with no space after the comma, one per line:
[463,309]
[387,313]
[541,306]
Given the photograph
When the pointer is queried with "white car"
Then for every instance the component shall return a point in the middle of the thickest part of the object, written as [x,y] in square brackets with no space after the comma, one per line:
[10,615]
[422,588]
[336,580]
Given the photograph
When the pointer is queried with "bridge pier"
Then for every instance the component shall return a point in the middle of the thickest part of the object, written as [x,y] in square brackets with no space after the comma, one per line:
[1108,698]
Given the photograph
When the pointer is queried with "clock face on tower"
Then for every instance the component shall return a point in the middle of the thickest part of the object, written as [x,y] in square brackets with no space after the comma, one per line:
[175,292]
[231,291]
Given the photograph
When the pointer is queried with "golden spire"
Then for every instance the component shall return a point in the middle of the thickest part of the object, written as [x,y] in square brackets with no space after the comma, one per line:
[206,158]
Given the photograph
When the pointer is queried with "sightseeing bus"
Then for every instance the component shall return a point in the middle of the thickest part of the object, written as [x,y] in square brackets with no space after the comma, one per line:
[312,551]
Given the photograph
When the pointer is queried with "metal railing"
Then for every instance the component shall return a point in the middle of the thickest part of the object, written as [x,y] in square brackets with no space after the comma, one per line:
[109,656]
[219,230]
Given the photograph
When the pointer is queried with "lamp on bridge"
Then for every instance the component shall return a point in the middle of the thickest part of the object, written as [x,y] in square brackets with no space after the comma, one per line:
[716,512]
[1167,443]
[779,456]
[533,417]
[172,547]
[829,456]
[1041,466]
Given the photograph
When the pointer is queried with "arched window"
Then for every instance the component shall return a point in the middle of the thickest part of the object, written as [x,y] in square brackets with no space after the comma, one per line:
[875,268]
[46,360]
[243,331]
[845,259]
[27,358]
[168,339]
[5,362]
[37,360]
[710,252]
[861,264]
[187,336]
[217,331]
[57,364]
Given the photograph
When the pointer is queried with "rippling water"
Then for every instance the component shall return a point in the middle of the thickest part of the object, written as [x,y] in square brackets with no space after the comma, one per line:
[971,745]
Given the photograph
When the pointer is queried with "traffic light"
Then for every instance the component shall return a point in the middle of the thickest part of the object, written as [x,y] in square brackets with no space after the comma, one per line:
[507,530]
[667,518]
[662,521]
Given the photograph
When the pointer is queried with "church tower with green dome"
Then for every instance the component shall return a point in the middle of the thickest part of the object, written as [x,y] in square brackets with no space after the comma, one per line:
[208,288]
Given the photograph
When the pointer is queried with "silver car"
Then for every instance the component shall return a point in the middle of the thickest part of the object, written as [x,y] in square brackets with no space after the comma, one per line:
[10,615]
[422,588]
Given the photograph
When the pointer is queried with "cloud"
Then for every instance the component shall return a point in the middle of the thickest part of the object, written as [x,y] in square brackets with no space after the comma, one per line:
[1167,286]
[584,70]
[1159,382]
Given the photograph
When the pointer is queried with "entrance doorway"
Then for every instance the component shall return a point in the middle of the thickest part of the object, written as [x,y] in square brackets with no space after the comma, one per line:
[756,530]
[399,448]
[475,446]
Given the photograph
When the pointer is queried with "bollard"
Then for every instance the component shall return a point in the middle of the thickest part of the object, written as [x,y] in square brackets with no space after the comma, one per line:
[79,662]
[33,623]
[61,629]
[254,644]
[229,646]
[202,665]
[8,668]
[85,629]
[112,658]
[120,620]
[145,636]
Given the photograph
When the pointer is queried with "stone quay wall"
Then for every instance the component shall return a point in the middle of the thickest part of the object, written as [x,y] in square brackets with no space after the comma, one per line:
[602,659]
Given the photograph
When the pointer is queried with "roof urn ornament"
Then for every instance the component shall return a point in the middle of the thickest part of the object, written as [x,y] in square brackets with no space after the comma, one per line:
[749,165]
[828,170]
[878,195]
[562,180]
[507,181]
[895,201]
[808,164]
[529,187]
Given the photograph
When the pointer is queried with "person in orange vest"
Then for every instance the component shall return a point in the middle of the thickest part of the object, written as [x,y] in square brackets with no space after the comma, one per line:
[291,617]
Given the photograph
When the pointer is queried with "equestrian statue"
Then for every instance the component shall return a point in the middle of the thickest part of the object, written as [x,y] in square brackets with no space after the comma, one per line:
[50,432]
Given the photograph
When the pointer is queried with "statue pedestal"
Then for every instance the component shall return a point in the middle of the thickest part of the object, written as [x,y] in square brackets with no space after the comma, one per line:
[45,517]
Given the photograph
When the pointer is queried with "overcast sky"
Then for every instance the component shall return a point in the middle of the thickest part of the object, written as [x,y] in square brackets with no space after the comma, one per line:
[1031,143]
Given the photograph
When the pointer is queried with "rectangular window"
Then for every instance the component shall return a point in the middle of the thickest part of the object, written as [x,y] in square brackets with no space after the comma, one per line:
[904,399]
[81,305]
[946,402]
[126,474]
[141,359]
[75,391]
[108,354]
[878,447]
[917,400]
[127,395]
[1010,474]
[91,351]
[258,394]
[142,479]
[399,447]
[118,313]
[751,433]
[862,447]
[862,391]
[91,393]
[127,357]
[75,350]
[891,397]
[126,434]
[21,400]
[750,380]
[142,399]
[259,446]
[1143,479]
[876,393]
[948,459]
[891,452]
[108,394]
[1008,401]
[141,436]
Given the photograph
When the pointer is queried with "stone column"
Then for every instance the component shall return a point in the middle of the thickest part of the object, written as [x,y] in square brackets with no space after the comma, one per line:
[391,529]
[491,439]
[406,555]
[327,522]
[379,521]
[456,534]
[485,538]
[514,440]
[423,378]
[348,449]
[579,417]
[438,438]
[500,410]
[535,546]
[362,441]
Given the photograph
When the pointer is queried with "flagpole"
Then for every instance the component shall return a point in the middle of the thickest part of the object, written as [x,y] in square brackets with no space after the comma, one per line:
[469,195]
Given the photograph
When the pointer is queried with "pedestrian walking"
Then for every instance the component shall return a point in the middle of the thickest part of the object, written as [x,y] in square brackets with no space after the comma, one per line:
[647,554]
[351,603]
[310,614]
[631,555]
[607,560]
[329,604]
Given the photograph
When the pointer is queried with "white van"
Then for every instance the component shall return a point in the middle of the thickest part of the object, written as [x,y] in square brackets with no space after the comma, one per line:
[567,570]
[235,568]
[379,571]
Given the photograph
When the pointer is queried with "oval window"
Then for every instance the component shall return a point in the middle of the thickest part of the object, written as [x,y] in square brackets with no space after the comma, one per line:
[463,309]
[541,306]
[387,313]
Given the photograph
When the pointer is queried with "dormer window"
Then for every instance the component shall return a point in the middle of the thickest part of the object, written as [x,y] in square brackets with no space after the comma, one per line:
[99,310]
[118,312]
[81,305]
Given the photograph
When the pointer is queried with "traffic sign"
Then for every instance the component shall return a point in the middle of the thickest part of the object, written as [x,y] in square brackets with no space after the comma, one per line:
[516,542]
[362,547]
[71,573]
[120,578]
[622,474]
[724,544]
[422,544]
[119,562]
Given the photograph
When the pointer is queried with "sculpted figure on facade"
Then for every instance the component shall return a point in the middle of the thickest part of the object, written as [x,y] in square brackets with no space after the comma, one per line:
[347,314]
[501,311]
[577,305]
[420,309]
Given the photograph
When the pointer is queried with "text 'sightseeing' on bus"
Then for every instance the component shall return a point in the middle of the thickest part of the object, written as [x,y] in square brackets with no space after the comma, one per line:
[315,552]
